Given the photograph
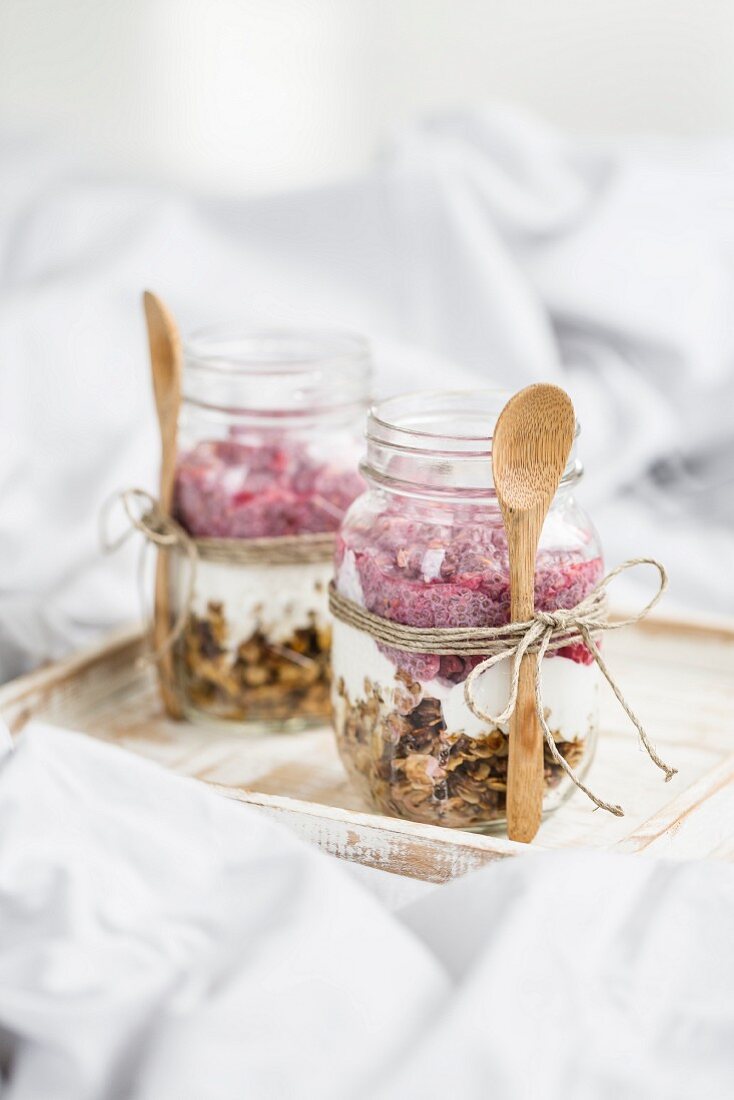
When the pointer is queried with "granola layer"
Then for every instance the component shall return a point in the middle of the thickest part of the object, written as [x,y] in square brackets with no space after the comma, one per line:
[257,643]
[395,744]
[254,679]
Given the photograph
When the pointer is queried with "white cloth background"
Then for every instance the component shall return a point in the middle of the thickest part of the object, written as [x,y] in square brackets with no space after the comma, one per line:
[161,943]
[158,942]
[485,249]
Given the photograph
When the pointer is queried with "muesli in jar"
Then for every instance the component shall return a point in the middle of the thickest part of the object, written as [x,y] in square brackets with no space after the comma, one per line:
[267,467]
[425,546]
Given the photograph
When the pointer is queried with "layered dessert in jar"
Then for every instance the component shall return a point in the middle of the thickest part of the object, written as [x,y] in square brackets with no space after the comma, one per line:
[258,635]
[408,554]
[256,643]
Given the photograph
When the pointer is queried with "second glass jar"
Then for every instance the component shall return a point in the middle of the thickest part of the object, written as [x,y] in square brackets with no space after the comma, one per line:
[425,545]
[269,441]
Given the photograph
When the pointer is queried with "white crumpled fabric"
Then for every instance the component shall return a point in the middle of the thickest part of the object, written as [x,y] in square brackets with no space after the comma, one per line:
[158,942]
[484,249]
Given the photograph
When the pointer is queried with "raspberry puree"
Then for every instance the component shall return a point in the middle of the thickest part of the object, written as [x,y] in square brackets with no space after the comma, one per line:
[444,575]
[232,489]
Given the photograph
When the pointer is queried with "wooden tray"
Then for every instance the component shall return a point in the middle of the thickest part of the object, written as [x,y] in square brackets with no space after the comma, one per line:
[678,676]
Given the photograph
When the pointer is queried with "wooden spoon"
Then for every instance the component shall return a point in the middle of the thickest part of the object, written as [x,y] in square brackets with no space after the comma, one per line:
[165,364]
[530,448]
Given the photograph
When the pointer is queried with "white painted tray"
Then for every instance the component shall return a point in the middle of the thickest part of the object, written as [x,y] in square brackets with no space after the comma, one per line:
[679,677]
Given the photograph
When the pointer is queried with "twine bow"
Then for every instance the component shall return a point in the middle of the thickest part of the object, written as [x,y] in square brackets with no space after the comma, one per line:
[146,515]
[555,629]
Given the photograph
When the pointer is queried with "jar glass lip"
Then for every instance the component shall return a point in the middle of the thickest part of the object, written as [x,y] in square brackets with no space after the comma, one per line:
[234,349]
[438,443]
[277,372]
[440,421]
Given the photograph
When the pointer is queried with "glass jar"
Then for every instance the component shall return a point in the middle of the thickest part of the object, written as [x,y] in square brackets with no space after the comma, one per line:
[425,545]
[269,440]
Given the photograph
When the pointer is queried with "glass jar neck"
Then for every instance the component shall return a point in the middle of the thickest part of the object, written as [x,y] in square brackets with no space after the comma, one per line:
[438,446]
[276,378]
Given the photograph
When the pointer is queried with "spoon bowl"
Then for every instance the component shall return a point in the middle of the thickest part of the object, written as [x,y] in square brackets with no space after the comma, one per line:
[531,444]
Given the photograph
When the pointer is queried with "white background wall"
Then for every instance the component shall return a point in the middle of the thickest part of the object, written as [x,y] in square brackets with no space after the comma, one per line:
[246,95]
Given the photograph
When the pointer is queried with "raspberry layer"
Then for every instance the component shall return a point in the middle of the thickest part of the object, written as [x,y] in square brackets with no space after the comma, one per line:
[449,575]
[234,489]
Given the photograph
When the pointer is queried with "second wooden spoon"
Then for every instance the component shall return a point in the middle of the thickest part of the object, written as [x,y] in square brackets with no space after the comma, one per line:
[165,363]
[530,447]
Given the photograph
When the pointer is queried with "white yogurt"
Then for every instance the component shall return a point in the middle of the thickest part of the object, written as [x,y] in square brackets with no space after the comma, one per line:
[570,690]
[348,581]
[354,656]
[275,599]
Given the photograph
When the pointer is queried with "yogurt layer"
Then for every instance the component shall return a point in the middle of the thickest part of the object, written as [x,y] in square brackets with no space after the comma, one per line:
[570,689]
[276,600]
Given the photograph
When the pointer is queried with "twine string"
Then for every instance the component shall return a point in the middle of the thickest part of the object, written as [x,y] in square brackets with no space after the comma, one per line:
[547,631]
[145,515]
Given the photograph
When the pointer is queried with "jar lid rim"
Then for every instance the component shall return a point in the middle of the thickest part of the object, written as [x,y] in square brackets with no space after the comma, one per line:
[439,443]
[279,351]
[402,432]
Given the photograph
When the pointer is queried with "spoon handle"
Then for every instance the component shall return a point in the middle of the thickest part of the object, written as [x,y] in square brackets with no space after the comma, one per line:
[525,764]
[165,363]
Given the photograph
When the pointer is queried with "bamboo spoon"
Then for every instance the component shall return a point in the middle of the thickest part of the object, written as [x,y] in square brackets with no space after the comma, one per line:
[165,364]
[530,448]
